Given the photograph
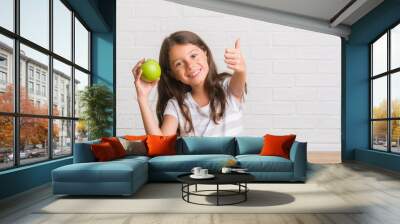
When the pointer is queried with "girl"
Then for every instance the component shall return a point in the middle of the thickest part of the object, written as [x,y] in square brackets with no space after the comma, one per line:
[193,99]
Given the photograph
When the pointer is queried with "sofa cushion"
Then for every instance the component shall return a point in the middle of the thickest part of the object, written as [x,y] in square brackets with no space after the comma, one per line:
[103,152]
[134,147]
[132,158]
[135,137]
[116,145]
[277,145]
[207,145]
[257,163]
[161,145]
[249,145]
[83,152]
[111,171]
[185,163]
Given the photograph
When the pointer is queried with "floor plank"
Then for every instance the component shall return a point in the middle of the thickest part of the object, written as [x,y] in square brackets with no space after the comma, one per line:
[328,157]
[377,190]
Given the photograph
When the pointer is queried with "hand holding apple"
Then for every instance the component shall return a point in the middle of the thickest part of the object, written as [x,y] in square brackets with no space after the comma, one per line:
[143,88]
[151,70]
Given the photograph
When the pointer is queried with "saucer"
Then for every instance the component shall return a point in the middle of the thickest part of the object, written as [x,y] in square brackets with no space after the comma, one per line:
[208,176]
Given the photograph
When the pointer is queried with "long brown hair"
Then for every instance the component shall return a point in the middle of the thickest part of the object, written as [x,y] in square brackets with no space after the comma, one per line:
[169,87]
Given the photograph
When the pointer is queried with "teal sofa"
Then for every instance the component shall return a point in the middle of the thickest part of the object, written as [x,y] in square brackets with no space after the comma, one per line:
[125,176]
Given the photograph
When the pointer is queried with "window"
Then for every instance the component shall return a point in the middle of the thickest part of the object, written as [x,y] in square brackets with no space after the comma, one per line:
[35,21]
[62,29]
[7,14]
[6,75]
[30,72]
[3,72]
[30,87]
[54,126]
[3,61]
[37,75]
[3,78]
[37,89]
[385,92]
[81,81]
[62,75]
[81,45]
[43,90]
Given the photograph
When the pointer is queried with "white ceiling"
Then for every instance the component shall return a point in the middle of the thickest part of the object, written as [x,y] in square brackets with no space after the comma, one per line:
[316,15]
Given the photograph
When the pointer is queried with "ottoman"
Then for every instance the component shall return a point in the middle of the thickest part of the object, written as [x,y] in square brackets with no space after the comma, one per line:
[118,177]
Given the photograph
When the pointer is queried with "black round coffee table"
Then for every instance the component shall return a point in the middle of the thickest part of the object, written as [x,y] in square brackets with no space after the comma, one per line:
[238,179]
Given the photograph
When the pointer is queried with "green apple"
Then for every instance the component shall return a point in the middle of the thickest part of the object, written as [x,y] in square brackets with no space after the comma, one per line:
[151,70]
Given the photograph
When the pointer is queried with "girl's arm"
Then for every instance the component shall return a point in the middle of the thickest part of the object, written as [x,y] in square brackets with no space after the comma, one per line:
[168,127]
[143,88]
[235,61]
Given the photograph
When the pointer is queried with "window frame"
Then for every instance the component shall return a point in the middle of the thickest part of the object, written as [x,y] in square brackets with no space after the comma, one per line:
[388,74]
[16,114]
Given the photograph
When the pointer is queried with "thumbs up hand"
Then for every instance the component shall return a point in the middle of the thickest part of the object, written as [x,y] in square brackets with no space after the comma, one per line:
[234,58]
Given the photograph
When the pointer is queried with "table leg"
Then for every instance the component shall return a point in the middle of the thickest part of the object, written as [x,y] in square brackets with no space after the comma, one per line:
[196,188]
[188,189]
[245,191]
[217,194]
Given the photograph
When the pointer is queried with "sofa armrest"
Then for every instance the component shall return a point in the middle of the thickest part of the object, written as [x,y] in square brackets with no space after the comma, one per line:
[83,152]
[298,155]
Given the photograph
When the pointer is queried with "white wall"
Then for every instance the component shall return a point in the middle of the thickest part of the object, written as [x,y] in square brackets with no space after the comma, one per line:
[293,74]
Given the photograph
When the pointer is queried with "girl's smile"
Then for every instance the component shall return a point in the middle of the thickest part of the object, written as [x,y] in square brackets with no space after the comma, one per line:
[189,64]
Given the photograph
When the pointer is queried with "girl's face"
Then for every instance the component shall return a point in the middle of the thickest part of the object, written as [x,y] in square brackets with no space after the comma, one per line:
[189,64]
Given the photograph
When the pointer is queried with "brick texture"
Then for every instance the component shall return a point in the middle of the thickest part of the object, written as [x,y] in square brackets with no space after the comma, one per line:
[293,74]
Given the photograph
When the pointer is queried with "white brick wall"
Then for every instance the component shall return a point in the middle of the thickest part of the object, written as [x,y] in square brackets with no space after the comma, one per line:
[293,75]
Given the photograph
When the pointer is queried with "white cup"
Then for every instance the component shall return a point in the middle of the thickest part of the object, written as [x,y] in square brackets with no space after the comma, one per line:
[203,172]
[226,170]
[196,170]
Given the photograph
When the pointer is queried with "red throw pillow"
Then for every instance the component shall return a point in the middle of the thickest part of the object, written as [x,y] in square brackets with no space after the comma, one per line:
[161,145]
[103,151]
[116,145]
[277,145]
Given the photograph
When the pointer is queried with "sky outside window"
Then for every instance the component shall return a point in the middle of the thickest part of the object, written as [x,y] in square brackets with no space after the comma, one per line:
[62,29]
[81,45]
[395,47]
[7,14]
[35,21]
[379,60]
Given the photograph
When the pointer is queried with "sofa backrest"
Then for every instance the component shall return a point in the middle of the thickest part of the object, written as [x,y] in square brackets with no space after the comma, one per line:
[206,145]
[83,152]
[249,145]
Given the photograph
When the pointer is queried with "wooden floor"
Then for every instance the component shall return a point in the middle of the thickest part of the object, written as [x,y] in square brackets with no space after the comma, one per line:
[324,157]
[377,188]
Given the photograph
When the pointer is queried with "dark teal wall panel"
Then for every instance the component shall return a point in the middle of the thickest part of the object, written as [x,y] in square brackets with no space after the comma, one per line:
[103,53]
[375,22]
[356,83]
[24,178]
[357,99]
[376,158]
[103,61]
[89,11]
[103,58]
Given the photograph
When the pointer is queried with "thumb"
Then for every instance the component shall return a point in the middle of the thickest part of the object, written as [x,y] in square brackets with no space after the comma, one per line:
[237,44]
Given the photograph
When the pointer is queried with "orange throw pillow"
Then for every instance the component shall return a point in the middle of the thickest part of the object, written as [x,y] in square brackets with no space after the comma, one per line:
[161,145]
[135,137]
[103,151]
[116,145]
[277,145]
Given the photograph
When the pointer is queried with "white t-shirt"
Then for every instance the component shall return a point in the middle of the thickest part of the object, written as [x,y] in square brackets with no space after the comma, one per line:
[229,125]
